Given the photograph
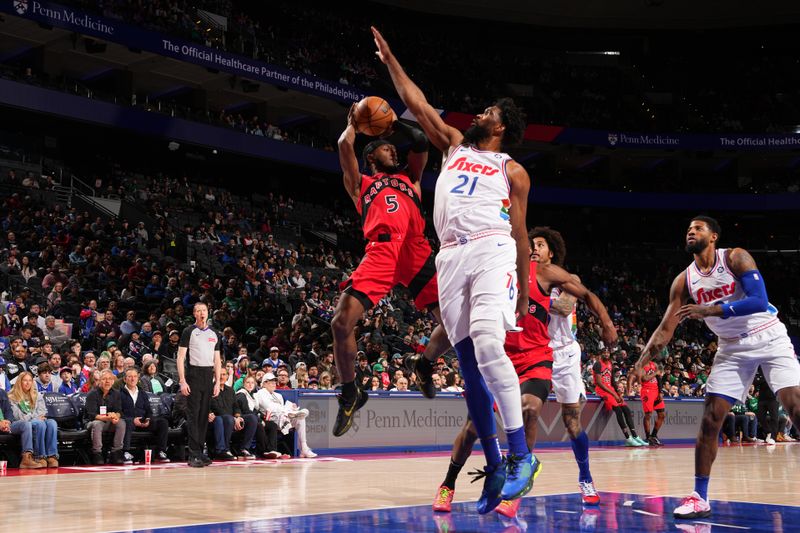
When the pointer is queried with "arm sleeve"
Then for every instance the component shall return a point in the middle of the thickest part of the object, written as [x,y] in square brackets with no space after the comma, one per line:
[419,142]
[756,300]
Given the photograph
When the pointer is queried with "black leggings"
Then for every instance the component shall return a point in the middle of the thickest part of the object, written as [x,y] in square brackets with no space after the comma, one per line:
[624,417]
[767,413]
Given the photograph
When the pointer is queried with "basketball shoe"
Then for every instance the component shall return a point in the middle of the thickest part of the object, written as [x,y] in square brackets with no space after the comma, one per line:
[423,374]
[495,478]
[344,418]
[521,470]
[444,499]
[692,506]
[589,493]
[508,508]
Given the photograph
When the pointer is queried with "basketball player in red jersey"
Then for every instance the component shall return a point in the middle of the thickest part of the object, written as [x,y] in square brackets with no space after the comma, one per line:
[532,356]
[651,401]
[388,200]
[606,389]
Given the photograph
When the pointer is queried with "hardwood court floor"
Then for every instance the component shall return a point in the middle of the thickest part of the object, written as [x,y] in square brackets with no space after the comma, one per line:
[128,498]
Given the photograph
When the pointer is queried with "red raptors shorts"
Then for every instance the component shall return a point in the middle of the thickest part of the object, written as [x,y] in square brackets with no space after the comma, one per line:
[609,402]
[385,264]
[651,400]
[533,364]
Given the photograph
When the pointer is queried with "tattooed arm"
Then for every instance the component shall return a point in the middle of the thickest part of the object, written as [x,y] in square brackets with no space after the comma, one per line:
[678,296]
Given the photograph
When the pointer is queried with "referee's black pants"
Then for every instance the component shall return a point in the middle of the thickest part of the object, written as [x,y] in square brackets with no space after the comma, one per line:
[201,383]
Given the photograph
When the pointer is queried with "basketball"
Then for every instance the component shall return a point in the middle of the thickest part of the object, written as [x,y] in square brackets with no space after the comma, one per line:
[373,116]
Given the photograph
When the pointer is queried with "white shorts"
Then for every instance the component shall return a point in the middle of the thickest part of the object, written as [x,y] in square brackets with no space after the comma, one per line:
[478,280]
[737,361]
[567,382]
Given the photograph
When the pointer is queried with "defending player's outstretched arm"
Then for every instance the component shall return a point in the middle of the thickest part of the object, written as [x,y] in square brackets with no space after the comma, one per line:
[571,285]
[441,135]
[349,161]
[678,296]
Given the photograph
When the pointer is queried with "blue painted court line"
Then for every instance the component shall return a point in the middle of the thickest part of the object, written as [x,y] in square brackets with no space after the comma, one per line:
[625,513]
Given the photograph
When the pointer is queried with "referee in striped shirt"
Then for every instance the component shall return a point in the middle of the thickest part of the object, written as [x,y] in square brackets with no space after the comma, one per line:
[199,365]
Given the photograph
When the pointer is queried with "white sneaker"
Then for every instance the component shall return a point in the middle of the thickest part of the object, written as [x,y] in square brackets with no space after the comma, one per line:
[693,506]
[308,453]
[299,414]
[769,439]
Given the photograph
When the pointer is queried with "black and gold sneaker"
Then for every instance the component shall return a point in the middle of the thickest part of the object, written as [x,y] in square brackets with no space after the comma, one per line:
[344,418]
[423,374]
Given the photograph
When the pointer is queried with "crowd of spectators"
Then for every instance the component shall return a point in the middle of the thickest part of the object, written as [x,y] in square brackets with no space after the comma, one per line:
[88,294]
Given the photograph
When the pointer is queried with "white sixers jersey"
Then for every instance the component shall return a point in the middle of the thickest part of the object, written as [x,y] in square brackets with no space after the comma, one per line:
[562,329]
[720,286]
[471,194]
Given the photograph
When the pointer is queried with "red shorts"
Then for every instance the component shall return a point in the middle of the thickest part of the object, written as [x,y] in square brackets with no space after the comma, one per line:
[534,364]
[651,400]
[609,402]
[385,264]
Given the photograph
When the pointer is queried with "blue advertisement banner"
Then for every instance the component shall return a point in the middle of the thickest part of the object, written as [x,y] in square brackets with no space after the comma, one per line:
[111,30]
[684,141]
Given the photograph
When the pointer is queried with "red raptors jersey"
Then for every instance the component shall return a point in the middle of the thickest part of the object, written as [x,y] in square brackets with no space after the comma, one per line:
[389,205]
[651,383]
[530,349]
[604,370]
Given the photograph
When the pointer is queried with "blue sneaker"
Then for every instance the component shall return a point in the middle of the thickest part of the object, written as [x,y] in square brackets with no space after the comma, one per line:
[495,479]
[521,470]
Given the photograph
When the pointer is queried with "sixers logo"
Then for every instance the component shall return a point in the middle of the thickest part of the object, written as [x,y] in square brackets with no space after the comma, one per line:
[706,296]
[462,163]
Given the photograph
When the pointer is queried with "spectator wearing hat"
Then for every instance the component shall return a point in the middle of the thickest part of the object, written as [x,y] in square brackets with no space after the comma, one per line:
[158,346]
[313,384]
[252,369]
[173,344]
[242,362]
[68,384]
[286,415]
[274,359]
[378,371]
[28,405]
[300,373]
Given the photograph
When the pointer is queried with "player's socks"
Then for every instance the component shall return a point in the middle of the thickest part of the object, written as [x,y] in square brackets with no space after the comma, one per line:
[491,450]
[516,441]
[479,401]
[349,390]
[452,474]
[701,486]
[580,448]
